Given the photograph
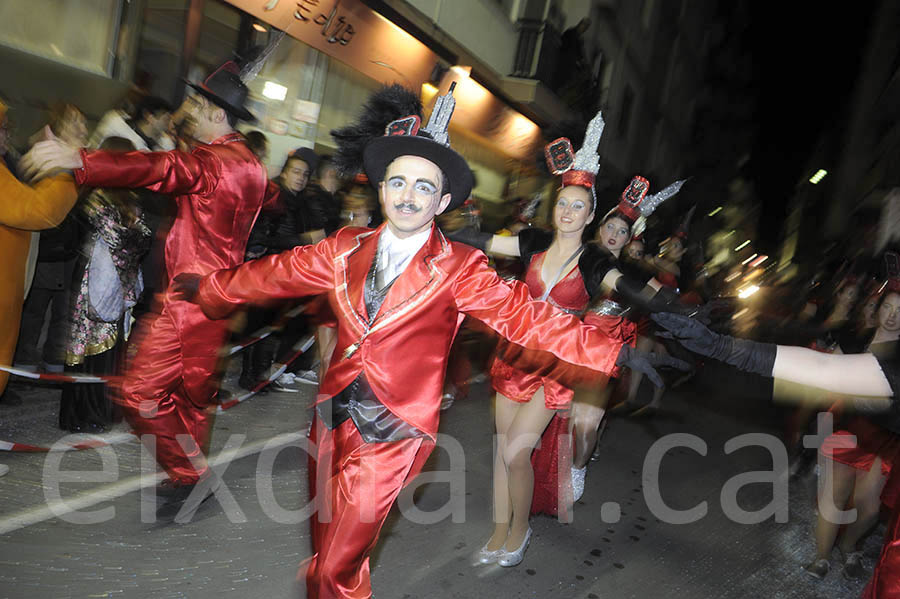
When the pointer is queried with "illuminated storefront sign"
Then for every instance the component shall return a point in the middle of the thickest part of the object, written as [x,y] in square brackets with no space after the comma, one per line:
[352,33]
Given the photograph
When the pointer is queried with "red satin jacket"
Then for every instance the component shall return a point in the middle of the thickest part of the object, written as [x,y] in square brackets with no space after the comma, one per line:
[219,190]
[404,351]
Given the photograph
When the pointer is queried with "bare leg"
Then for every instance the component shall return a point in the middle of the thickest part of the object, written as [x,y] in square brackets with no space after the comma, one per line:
[588,409]
[522,436]
[504,413]
[837,486]
[867,501]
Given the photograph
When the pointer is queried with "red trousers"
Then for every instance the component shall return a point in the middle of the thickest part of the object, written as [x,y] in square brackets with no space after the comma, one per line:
[885,583]
[354,484]
[156,401]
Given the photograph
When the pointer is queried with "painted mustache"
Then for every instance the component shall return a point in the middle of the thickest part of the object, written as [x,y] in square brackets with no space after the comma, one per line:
[407,206]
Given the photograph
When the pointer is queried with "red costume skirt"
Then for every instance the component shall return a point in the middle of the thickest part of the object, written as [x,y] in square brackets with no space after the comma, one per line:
[518,373]
[872,441]
[552,459]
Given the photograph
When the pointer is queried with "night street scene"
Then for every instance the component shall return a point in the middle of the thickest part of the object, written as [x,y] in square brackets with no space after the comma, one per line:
[341,299]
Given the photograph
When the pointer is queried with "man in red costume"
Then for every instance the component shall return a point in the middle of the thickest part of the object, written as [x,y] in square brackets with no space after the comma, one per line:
[399,294]
[219,189]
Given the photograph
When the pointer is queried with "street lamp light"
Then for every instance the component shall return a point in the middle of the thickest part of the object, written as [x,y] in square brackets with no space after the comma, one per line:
[820,174]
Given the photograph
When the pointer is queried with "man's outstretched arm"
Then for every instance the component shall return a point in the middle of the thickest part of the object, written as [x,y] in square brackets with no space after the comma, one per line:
[172,172]
[304,270]
[508,308]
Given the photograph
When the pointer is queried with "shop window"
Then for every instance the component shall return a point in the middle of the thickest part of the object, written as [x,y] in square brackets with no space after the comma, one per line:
[286,97]
[79,33]
[158,64]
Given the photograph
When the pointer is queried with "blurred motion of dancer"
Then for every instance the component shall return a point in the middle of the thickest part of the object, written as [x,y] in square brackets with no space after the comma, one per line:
[867,382]
[170,387]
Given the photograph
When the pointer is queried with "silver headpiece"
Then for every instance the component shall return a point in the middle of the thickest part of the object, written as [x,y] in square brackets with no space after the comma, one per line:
[652,202]
[440,117]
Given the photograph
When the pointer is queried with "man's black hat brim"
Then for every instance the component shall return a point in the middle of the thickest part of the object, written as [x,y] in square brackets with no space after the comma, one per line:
[238,111]
[381,151]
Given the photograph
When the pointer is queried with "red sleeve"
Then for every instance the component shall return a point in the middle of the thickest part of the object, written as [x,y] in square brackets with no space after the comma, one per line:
[303,270]
[507,307]
[272,201]
[172,172]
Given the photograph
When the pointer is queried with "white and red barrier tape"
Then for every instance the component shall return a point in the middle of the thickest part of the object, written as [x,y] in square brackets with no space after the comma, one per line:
[61,378]
[300,348]
[265,331]
[88,443]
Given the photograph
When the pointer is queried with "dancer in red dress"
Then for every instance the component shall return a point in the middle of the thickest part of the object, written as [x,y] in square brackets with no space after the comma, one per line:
[533,398]
[398,294]
[170,383]
[868,382]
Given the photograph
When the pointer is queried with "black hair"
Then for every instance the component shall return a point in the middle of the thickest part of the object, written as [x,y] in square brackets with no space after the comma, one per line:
[152,105]
[256,141]
[117,144]
[620,215]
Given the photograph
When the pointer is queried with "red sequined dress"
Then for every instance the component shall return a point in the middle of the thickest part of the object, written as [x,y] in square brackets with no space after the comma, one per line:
[518,373]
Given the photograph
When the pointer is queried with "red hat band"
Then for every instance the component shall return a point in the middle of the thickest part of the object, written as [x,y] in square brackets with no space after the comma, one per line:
[634,194]
[580,178]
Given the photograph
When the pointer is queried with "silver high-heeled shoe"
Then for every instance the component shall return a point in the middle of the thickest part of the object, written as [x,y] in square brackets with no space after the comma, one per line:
[485,556]
[578,475]
[514,558]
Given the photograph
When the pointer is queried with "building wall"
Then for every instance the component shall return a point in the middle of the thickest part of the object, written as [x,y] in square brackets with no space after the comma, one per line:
[482,26]
[867,167]
[652,54]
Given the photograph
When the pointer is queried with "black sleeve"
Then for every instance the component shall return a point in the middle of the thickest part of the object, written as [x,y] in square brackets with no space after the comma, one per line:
[890,366]
[532,241]
[594,263]
[470,236]
[635,271]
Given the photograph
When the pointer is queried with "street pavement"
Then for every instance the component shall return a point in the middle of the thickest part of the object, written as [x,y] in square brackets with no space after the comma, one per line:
[615,547]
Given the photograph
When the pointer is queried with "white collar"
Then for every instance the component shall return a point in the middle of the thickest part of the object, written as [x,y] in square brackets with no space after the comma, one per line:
[394,254]
[400,247]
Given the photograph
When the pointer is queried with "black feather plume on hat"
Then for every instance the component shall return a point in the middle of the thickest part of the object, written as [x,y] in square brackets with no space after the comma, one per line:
[384,106]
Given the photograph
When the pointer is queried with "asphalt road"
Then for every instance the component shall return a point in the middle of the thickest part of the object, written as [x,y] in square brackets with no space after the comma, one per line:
[621,543]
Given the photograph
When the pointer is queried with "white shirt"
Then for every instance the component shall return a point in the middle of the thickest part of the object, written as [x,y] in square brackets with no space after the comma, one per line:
[394,253]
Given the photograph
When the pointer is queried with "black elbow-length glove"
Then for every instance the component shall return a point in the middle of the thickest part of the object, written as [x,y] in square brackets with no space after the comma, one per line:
[743,354]
[636,294]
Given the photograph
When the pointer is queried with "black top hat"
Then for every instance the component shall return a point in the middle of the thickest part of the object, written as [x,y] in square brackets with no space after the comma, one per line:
[225,89]
[404,138]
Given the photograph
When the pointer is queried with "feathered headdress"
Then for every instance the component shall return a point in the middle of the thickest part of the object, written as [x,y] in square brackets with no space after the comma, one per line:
[383,107]
[257,56]
[577,168]
[636,206]
[404,137]
[227,86]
